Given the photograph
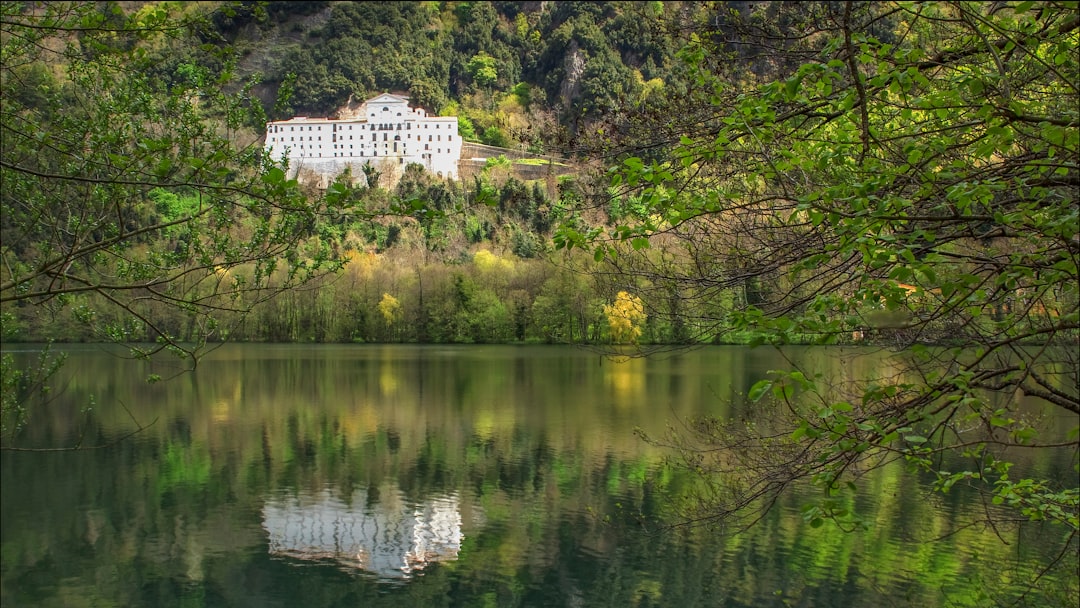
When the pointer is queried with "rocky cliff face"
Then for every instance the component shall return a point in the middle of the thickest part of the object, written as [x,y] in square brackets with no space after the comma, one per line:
[574,66]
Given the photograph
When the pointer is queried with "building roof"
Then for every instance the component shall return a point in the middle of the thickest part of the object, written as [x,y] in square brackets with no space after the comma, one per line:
[384,98]
[388,98]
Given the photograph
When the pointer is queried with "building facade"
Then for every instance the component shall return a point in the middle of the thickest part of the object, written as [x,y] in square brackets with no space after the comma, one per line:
[387,131]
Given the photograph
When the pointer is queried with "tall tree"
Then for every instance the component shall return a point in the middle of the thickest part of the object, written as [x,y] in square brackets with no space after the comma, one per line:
[914,184]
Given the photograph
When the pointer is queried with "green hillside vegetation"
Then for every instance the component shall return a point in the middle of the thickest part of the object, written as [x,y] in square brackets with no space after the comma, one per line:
[516,75]
[621,84]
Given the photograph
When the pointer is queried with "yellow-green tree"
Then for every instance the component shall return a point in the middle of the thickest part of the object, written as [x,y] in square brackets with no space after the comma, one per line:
[391,311]
[625,318]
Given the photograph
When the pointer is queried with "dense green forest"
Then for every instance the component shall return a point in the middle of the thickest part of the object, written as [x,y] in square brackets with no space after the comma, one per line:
[494,257]
[414,260]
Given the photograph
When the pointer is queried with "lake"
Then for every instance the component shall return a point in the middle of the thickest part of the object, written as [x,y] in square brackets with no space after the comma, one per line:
[369,475]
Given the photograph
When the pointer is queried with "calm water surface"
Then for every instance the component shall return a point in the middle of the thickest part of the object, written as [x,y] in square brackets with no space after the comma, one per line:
[436,476]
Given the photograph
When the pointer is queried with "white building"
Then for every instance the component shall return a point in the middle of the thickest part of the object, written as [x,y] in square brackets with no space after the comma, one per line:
[387,131]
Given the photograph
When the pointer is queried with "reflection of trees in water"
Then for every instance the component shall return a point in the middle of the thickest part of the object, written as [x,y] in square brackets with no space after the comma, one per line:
[387,538]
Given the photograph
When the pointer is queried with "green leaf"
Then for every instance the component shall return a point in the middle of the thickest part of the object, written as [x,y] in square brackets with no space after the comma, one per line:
[799,432]
[783,390]
[758,390]
[791,87]
[274,176]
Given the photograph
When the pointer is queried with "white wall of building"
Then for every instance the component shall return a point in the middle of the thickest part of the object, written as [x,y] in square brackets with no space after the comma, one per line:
[387,130]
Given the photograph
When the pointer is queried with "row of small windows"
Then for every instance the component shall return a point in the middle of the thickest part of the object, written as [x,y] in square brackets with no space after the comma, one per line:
[426,147]
[373,127]
[396,140]
[343,155]
[373,138]
[374,153]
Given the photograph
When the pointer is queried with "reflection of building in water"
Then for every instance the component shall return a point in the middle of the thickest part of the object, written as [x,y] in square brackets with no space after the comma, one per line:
[388,540]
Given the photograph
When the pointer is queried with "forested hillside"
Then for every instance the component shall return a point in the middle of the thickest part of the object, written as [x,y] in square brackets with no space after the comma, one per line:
[516,73]
[650,88]
[408,259]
